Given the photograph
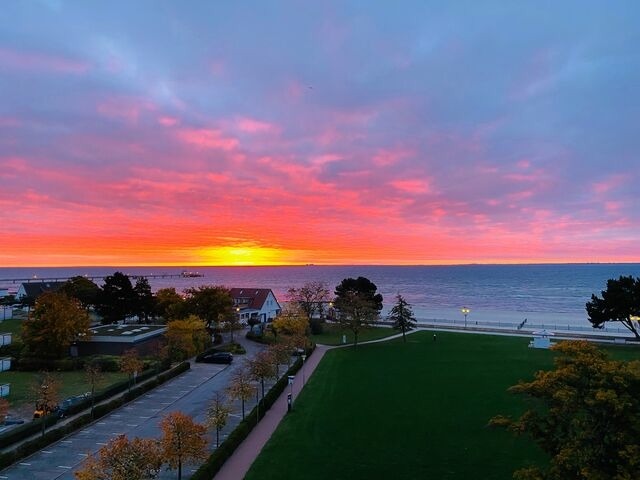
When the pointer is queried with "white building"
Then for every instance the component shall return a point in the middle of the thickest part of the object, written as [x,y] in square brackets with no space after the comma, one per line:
[541,339]
[255,303]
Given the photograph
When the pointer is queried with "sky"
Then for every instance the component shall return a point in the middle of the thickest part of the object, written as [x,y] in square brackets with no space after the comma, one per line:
[161,132]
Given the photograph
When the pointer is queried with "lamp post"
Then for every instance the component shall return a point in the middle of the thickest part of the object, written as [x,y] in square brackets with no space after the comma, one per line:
[304,358]
[465,311]
[290,394]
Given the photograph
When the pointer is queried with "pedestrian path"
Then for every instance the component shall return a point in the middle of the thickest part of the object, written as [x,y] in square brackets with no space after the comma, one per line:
[237,466]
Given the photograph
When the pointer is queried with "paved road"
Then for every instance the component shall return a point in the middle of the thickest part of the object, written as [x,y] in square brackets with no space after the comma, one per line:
[189,393]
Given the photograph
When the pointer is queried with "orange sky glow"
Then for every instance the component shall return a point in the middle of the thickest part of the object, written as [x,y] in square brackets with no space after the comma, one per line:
[352,136]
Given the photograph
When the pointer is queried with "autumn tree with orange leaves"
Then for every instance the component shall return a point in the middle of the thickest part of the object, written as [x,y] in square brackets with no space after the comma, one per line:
[585,414]
[241,387]
[123,459]
[182,440]
[262,367]
[131,365]
[55,323]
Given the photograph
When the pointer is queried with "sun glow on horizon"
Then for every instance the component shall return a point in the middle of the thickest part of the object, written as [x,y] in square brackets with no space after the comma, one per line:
[244,255]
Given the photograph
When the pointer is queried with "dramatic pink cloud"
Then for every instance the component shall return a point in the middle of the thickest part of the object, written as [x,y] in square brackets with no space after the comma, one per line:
[207,139]
[333,135]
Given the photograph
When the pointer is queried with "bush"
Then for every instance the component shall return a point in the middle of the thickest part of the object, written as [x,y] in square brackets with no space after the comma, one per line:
[13,350]
[316,326]
[259,338]
[107,363]
[234,348]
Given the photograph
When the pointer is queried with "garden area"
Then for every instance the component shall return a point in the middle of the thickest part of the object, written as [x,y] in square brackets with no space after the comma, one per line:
[418,409]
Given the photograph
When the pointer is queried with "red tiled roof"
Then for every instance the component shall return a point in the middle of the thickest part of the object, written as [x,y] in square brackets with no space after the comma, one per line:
[255,297]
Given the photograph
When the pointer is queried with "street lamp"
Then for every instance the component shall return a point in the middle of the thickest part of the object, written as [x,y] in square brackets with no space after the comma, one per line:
[304,358]
[465,311]
[290,394]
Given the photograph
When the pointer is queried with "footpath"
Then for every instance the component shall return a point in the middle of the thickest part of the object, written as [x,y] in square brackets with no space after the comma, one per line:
[237,466]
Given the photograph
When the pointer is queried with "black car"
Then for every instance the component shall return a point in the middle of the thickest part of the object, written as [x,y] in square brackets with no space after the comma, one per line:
[217,357]
[63,409]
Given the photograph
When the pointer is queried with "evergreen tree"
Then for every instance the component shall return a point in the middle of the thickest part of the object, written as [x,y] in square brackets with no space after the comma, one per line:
[402,316]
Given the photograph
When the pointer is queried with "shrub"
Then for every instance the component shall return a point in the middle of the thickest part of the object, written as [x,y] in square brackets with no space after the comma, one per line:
[13,350]
[234,348]
[316,326]
[260,338]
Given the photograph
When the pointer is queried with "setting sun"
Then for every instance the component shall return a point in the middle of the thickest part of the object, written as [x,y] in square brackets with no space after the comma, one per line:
[242,255]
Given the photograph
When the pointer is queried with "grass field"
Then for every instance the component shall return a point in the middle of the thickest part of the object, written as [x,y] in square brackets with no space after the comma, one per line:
[12,325]
[71,383]
[332,334]
[403,411]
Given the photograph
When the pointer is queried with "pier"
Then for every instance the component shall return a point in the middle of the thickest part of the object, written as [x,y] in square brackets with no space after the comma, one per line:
[90,277]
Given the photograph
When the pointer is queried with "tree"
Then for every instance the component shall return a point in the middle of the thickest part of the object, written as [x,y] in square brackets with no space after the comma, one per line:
[131,365]
[311,298]
[55,323]
[240,387]
[217,415]
[47,395]
[169,304]
[186,338]
[121,459]
[291,321]
[620,302]
[262,367]
[144,304]
[94,376]
[182,440]
[402,316]
[213,304]
[232,324]
[82,289]
[116,299]
[585,414]
[357,304]
[281,354]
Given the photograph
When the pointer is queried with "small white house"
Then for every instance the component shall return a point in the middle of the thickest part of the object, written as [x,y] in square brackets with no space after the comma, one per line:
[541,339]
[5,339]
[255,303]
[6,312]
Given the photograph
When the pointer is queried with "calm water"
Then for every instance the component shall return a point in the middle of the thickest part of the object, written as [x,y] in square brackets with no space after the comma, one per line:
[509,293]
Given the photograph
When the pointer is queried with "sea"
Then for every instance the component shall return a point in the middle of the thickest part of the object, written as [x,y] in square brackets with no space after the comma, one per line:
[549,296]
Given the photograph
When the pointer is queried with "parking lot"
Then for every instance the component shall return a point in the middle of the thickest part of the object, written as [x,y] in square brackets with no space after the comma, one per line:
[189,393]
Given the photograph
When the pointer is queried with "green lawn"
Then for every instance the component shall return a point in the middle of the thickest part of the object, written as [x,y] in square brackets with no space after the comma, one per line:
[402,411]
[332,334]
[12,325]
[71,383]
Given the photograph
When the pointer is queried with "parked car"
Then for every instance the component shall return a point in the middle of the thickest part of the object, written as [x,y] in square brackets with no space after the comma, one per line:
[67,403]
[217,357]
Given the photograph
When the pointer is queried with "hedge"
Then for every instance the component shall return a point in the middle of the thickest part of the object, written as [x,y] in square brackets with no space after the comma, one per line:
[220,455]
[31,446]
